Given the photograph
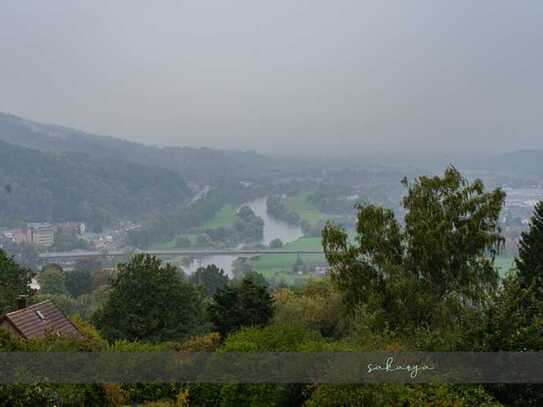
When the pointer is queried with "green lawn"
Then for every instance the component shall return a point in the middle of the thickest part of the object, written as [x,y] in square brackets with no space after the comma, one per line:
[170,244]
[280,266]
[225,217]
[307,211]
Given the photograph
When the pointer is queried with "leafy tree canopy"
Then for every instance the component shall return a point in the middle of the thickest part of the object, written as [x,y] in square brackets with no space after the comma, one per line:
[150,301]
[423,273]
[530,259]
[246,304]
[53,280]
[14,281]
[211,278]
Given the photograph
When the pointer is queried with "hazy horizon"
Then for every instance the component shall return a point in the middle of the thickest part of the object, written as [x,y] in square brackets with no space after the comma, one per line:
[309,78]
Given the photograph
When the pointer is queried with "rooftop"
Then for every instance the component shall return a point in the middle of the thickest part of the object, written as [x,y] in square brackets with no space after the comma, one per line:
[36,321]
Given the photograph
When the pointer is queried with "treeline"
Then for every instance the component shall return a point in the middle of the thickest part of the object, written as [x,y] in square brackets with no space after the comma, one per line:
[277,209]
[247,228]
[199,165]
[46,187]
[169,225]
[415,286]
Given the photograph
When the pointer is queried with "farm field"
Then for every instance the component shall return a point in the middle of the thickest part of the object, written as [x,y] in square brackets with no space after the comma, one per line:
[280,267]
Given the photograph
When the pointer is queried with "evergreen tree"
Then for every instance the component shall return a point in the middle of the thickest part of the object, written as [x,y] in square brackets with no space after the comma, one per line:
[530,259]
[246,304]
[14,281]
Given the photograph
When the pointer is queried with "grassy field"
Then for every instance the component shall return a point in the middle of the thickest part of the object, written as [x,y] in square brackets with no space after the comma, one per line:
[170,244]
[280,266]
[307,211]
[225,217]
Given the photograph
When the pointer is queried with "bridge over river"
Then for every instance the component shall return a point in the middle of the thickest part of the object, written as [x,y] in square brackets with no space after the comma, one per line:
[52,256]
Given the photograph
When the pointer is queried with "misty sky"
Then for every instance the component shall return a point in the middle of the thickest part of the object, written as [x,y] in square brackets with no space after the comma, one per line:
[321,77]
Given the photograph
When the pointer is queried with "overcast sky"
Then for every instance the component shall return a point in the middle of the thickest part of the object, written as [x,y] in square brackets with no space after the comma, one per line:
[282,76]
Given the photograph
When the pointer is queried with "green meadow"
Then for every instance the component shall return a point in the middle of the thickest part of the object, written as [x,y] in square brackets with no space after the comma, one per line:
[303,207]
[225,217]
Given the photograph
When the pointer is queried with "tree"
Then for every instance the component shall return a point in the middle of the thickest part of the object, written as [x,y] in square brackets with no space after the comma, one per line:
[276,244]
[211,278]
[530,257]
[256,278]
[451,227]
[241,266]
[443,257]
[273,338]
[277,209]
[248,226]
[53,280]
[515,320]
[510,324]
[88,264]
[66,241]
[150,302]
[182,242]
[514,324]
[317,306]
[14,281]
[79,282]
[26,255]
[246,304]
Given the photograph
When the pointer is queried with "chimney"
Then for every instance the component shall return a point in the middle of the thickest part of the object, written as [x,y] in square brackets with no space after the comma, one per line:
[21,301]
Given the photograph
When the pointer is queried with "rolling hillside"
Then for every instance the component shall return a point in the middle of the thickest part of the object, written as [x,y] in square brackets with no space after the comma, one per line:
[42,186]
[200,165]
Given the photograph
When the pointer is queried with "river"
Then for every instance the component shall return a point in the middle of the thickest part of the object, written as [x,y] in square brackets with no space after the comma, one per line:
[273,229]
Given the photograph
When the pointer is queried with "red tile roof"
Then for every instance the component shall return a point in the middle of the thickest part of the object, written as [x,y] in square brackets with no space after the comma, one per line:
[35,321]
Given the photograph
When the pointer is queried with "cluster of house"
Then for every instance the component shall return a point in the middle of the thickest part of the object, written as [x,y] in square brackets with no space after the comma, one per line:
[116,235]
[43,234]
[37,321]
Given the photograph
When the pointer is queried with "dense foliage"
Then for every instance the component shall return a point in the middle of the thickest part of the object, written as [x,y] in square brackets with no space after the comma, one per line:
[426,285]
[150,302]
[14,281]
[79,282]
[277,209]
[236,306]
[248,226]
[201,165]
[210,278]
[168,225]
[530,259]
[440,257]
[45,187]
[53,280]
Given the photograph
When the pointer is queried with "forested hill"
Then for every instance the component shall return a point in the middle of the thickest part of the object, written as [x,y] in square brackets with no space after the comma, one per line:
[201,165]
[40,186]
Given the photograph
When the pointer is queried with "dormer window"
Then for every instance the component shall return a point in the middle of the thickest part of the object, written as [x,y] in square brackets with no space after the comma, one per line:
[40,315]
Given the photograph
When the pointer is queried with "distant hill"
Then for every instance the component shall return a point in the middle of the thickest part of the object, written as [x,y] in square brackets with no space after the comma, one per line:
[44,186]
[523,162]
[201,165]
